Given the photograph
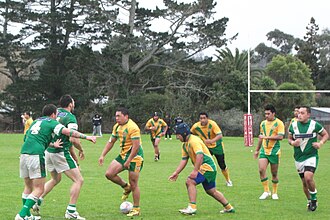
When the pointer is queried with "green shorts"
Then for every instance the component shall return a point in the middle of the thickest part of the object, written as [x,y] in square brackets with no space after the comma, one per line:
[218,150]
[135,165]
[273,159]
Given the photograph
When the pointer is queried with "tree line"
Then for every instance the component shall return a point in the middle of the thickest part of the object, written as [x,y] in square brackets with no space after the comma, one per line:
[52,52]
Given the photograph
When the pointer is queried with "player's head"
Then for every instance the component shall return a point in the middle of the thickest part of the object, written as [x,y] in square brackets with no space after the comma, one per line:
[203,118]
[270,112]
[182,130]
[49,110]
[155,116]
[304,113]
[66,101]
[27,115]
[122,115]
[296,111]
[178,120]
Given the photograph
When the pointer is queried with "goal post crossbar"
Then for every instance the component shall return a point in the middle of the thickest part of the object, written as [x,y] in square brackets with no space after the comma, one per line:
[290,91]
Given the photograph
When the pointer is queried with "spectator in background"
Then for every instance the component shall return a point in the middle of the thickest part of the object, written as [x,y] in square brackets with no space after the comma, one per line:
[97,123]
[27,121]
[168,121]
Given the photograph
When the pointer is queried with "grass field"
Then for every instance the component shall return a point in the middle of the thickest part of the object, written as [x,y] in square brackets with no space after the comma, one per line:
[161,199]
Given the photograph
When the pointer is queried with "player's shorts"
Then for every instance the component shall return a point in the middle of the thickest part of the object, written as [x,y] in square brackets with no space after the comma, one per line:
[309,164]
[273,159]
[207,180]
[154,138]
[135,165]
[32,166]
[217,150]
[60,162]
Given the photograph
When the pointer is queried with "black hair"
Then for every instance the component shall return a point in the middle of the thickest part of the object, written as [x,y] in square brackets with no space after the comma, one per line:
[65,101]
[49,109]
[307,108]
[270,108]
[123,110]
[203,113]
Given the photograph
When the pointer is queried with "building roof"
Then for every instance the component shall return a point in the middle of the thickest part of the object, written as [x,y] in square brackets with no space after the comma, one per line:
[322,109]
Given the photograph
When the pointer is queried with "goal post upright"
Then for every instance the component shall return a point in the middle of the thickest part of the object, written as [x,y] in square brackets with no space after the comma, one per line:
[248,119]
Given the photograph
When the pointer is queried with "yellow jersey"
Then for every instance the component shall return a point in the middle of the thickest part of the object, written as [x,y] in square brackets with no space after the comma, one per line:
[27,124]
[209,131]
[159,124]
[195,146]
[271,128]
[125,134]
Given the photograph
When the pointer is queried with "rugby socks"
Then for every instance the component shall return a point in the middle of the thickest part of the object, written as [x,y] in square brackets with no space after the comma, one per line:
[24,198]
[193,205]
[275,185]
[40,201]
[225,173]
[264,183]
[71,208]
[228,206]
[313,194]
[30,201]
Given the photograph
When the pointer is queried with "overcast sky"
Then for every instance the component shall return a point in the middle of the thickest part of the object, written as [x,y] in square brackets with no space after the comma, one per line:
[253,19]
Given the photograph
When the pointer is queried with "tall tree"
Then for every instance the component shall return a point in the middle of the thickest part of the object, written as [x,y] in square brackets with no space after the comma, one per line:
[308,50]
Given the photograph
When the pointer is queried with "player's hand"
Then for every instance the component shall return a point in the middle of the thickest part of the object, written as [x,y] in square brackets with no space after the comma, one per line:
[91,139]
[255,154]
[58,143]
[81,154]
[101,160]
[296,143]
[262,136]
[316,145]
[193,174]
[208,141]
[126,165]
[173,177]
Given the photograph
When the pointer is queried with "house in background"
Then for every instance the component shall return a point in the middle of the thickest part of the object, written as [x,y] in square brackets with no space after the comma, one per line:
[321,115]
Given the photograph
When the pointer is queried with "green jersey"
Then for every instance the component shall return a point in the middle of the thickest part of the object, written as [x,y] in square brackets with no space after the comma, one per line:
[67,119]
[307,132]
[40,134]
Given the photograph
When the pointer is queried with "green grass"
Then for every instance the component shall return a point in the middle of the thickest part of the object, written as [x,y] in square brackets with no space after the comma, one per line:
[161,199]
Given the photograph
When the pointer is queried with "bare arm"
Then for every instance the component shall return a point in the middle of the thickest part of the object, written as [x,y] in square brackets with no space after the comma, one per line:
[134,151]
[72,133]
[77,144]
[178,170]
[106,149]
[215,139]
[324,137]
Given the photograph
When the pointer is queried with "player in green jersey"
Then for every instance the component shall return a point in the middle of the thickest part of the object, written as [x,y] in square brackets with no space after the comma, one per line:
[62,160]
[32,161]
[303,137]
[130,158]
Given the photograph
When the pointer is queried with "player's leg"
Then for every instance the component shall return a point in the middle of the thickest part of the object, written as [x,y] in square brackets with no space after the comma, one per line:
[309,179]
[134,170]
[192,194]
[115,167]
[217,195]
[32,169]
[38,188]
[224,169]
[156,148]
[77,179]
[274,170]
[263,163]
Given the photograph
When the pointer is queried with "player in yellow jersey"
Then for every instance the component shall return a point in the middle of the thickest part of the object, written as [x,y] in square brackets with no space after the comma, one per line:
[271,132]
[209,131]
[205,170]
[130,157]
[157,128]
[27,120]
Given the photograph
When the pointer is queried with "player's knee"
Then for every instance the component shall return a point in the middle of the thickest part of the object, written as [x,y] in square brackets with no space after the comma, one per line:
[109,175]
